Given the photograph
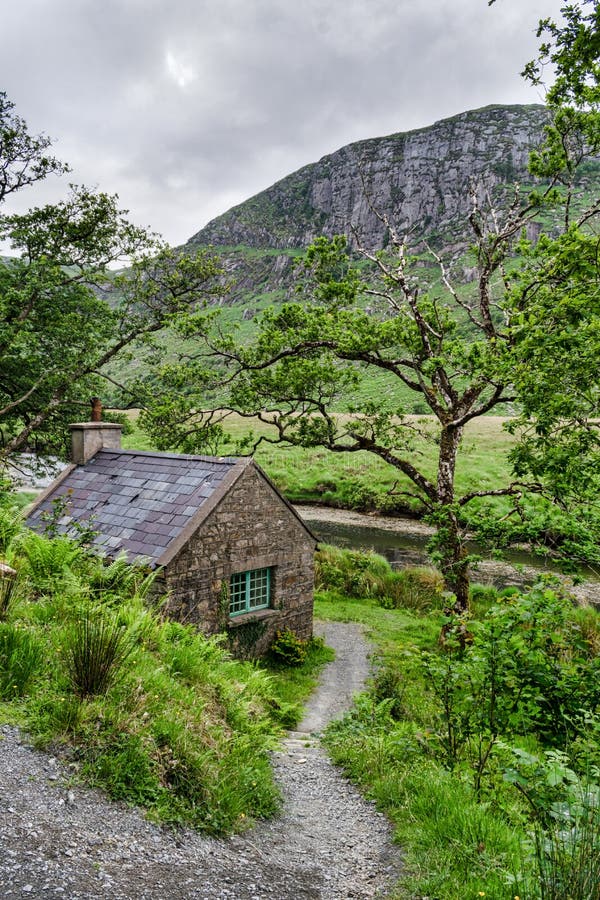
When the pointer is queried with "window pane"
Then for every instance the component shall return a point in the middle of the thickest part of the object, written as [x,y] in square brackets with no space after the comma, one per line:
[258,594]
[237,593]
[249,590]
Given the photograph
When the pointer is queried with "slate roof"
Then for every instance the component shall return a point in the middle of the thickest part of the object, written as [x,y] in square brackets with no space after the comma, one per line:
[137,502]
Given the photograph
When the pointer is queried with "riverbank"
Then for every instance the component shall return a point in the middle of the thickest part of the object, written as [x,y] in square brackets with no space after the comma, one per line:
[402,541]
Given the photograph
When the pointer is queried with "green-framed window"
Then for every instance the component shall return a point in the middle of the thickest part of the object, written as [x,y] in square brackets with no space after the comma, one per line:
[249,591]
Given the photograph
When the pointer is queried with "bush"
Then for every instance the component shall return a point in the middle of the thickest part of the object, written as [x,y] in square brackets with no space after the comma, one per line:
[525,672]
[288,649]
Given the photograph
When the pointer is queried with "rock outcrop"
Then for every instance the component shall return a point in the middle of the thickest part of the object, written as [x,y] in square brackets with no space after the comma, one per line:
[420,179]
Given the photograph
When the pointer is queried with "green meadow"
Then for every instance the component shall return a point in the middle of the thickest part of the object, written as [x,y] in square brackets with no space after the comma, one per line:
[360,480]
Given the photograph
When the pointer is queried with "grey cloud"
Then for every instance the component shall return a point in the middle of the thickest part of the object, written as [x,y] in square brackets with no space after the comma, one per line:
[186,107]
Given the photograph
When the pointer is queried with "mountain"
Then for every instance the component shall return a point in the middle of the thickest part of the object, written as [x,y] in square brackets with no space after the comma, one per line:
[419,179]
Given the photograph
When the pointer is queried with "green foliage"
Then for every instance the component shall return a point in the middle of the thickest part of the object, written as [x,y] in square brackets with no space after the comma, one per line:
[353,573]
[453,846]
[418,588]
[563,854]
[48,562]
[361,575]
[458,352]
[24,156]
[118,576]
[20,660]
[437,739]
[8,589]
[524,669]
[11,524]
[389,685]
[64,317]
[287,649]
[154,712]
[293,684]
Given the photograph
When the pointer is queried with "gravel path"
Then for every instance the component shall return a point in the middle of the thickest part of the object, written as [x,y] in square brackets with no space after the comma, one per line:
[58,839]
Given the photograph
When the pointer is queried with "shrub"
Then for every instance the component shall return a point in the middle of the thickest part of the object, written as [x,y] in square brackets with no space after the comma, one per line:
[287,649]
[20,659]
[526,671]
[564,852]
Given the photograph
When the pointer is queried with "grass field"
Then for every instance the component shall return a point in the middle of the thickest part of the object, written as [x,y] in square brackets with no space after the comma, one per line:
[360,480]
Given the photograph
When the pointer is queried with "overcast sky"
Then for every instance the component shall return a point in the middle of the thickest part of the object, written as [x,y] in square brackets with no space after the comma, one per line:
[187,107]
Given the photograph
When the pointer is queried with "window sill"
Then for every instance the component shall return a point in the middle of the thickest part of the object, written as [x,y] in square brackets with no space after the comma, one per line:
[253,616]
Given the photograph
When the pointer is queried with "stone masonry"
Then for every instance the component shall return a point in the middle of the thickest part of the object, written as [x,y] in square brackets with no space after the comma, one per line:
[251,528]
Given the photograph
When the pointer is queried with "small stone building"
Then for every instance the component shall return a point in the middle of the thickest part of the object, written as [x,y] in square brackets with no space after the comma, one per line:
[234,554]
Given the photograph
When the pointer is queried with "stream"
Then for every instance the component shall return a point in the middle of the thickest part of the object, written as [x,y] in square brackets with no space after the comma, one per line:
[403,543]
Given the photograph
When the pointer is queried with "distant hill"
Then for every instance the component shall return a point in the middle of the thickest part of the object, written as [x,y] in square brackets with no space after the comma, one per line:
[419,178]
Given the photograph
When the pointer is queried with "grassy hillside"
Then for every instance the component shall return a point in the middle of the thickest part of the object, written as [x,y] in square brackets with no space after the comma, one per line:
[147,709]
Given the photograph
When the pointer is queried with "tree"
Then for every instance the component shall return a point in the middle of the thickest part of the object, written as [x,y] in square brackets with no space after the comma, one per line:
[65,317]
[23,157]
[461,353]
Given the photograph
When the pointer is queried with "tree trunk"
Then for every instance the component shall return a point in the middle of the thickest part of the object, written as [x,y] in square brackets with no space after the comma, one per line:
[454,562]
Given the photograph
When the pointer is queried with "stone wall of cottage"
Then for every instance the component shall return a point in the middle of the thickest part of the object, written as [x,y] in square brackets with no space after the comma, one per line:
[251,528]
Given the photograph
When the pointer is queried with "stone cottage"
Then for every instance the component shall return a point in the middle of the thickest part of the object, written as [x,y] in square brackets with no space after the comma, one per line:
[234,554]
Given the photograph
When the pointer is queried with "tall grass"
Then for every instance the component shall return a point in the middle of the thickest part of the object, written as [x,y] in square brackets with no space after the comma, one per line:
[20,660]
[356,574]
[94,650]
[566,857]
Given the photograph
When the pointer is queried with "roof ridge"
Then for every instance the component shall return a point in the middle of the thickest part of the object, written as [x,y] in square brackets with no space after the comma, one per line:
[157,454]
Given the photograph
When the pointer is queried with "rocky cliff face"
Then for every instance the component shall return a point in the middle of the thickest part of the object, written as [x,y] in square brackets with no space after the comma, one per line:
[420,179]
